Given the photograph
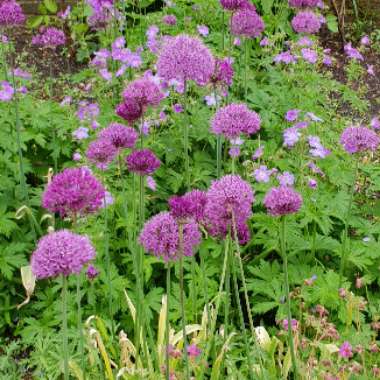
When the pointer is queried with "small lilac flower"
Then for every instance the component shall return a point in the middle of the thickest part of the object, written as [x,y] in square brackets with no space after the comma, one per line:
[345,350]
[262,174]
[371,70]
[61,253]
[237,41]
[81,133]
[303,3]
[315,169]
[66,101]
[264,42]
[353,53]
[63,15]
[203,30]
[294,323]
[193,351]
[309,55]
[105,74]
[327,60]
[258,153]
[77,156]
[366,239]
[317,149]
[212,100]
[107,200]
[177,108]
[313,117]
[87,111]
[291,136]
[282,200]
[359,139]
[286,179]
[292,115]
[365,40]
[169,20]
[151,183]
[301,125]
[305,41]
[92,272]
[142,162]
[375,123]
[285,57]
[313,184]
[6,91]
[22,74]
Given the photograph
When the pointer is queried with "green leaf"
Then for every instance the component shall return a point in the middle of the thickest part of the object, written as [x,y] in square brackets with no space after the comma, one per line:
[332,23]
[34,21]
[51,6]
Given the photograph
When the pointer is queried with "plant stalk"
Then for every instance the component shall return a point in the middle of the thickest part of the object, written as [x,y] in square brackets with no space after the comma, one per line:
[64,329]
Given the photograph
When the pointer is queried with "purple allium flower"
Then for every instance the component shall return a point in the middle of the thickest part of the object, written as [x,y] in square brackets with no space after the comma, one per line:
[291,136]
[61,253]
[160,236]
[353,53]
[306,22]
[151,183]
[231,5]
[313,184]
[309,55]
[359,139]
[246,23]
[11,14]
[169,20]
[317,149]
[73,191]
[223,72]
[294,323]
[197,200]
[119,135]
[262,174]
[229,197]
[286,179]
[130,110]
[345,350]
[292,115]
[375,123]
[180,207]
[303,3]
[6,91]
[49,37]
[142,162]
[144,91]
[102,13]
[235,119]
[282,200]
[177,108]
[203,30]
[365,40]
[81,133]
[92,272]
[185,58]
[101,153]
[285,57]
[193,351]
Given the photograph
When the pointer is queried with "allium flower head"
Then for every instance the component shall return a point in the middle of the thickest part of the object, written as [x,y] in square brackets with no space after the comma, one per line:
[61,253]
[229,198]
[231,5]
[190,205]
[160,236]
[101,152]
[49,37]
[303,3]
[169,20]
[247,23]
[224,72]
[11,14]
[306,22]
[185,58]
[282,200]
[235,119]
[180,207]
[130,110]
[142,162]
[73,191]
[359,139]
[119,135]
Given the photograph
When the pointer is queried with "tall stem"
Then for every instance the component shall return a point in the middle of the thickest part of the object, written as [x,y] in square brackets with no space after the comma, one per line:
[64,329]
[55,158]
[246,42]
[167,327]
[79,327]
[346,225]
[182,300]
[218,140]
[186,138]
[286,280]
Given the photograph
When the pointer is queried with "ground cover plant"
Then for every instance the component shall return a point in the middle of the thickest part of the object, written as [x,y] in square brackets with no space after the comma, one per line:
[189,190]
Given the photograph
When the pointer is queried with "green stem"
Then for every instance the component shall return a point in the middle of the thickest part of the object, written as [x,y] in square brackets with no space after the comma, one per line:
[186,139]
[227,295]
[79,327]
[182,300]
[286,280]
[218,140]
[194,294]
[346,225]
[64,329]
[167,327]
[205,294]
[246,41]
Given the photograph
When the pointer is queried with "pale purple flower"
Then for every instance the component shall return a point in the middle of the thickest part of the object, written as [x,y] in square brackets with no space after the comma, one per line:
[107,200]
[92,272]
[303,3]
[193,351]
[262,174]
[203,30]
[246,23]
[285,57]
[101,153]
[258,153]
[151,183]
[359,139]
[87,111]
[292,115]
[6,91]
[81,133]
[212,100]
[316,148]
[237,41]
[73,191]
[282,200]
[309,55]
[305,41]
[21,73]
[294,324]
[119,135]
[286,179]
[306,22]
[169,20]
[105,74]
[234,151]
[315,169]
[375,123]
[365,40]
[66,101]
[371,70]
[61,253]
[313,117]
[264,42]
[177,108]
[291,136]
[77,156]
[353,53]
[301,125]
[312,183]
[345,350]
[185,58]
[327,60]
[49,37]
[64,14]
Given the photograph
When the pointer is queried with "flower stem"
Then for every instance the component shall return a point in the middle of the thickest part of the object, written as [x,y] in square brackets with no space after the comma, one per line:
[64,329]
[286,280]
[182,300]
[246,42]
[79,327]
[167,327]
[346,224]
